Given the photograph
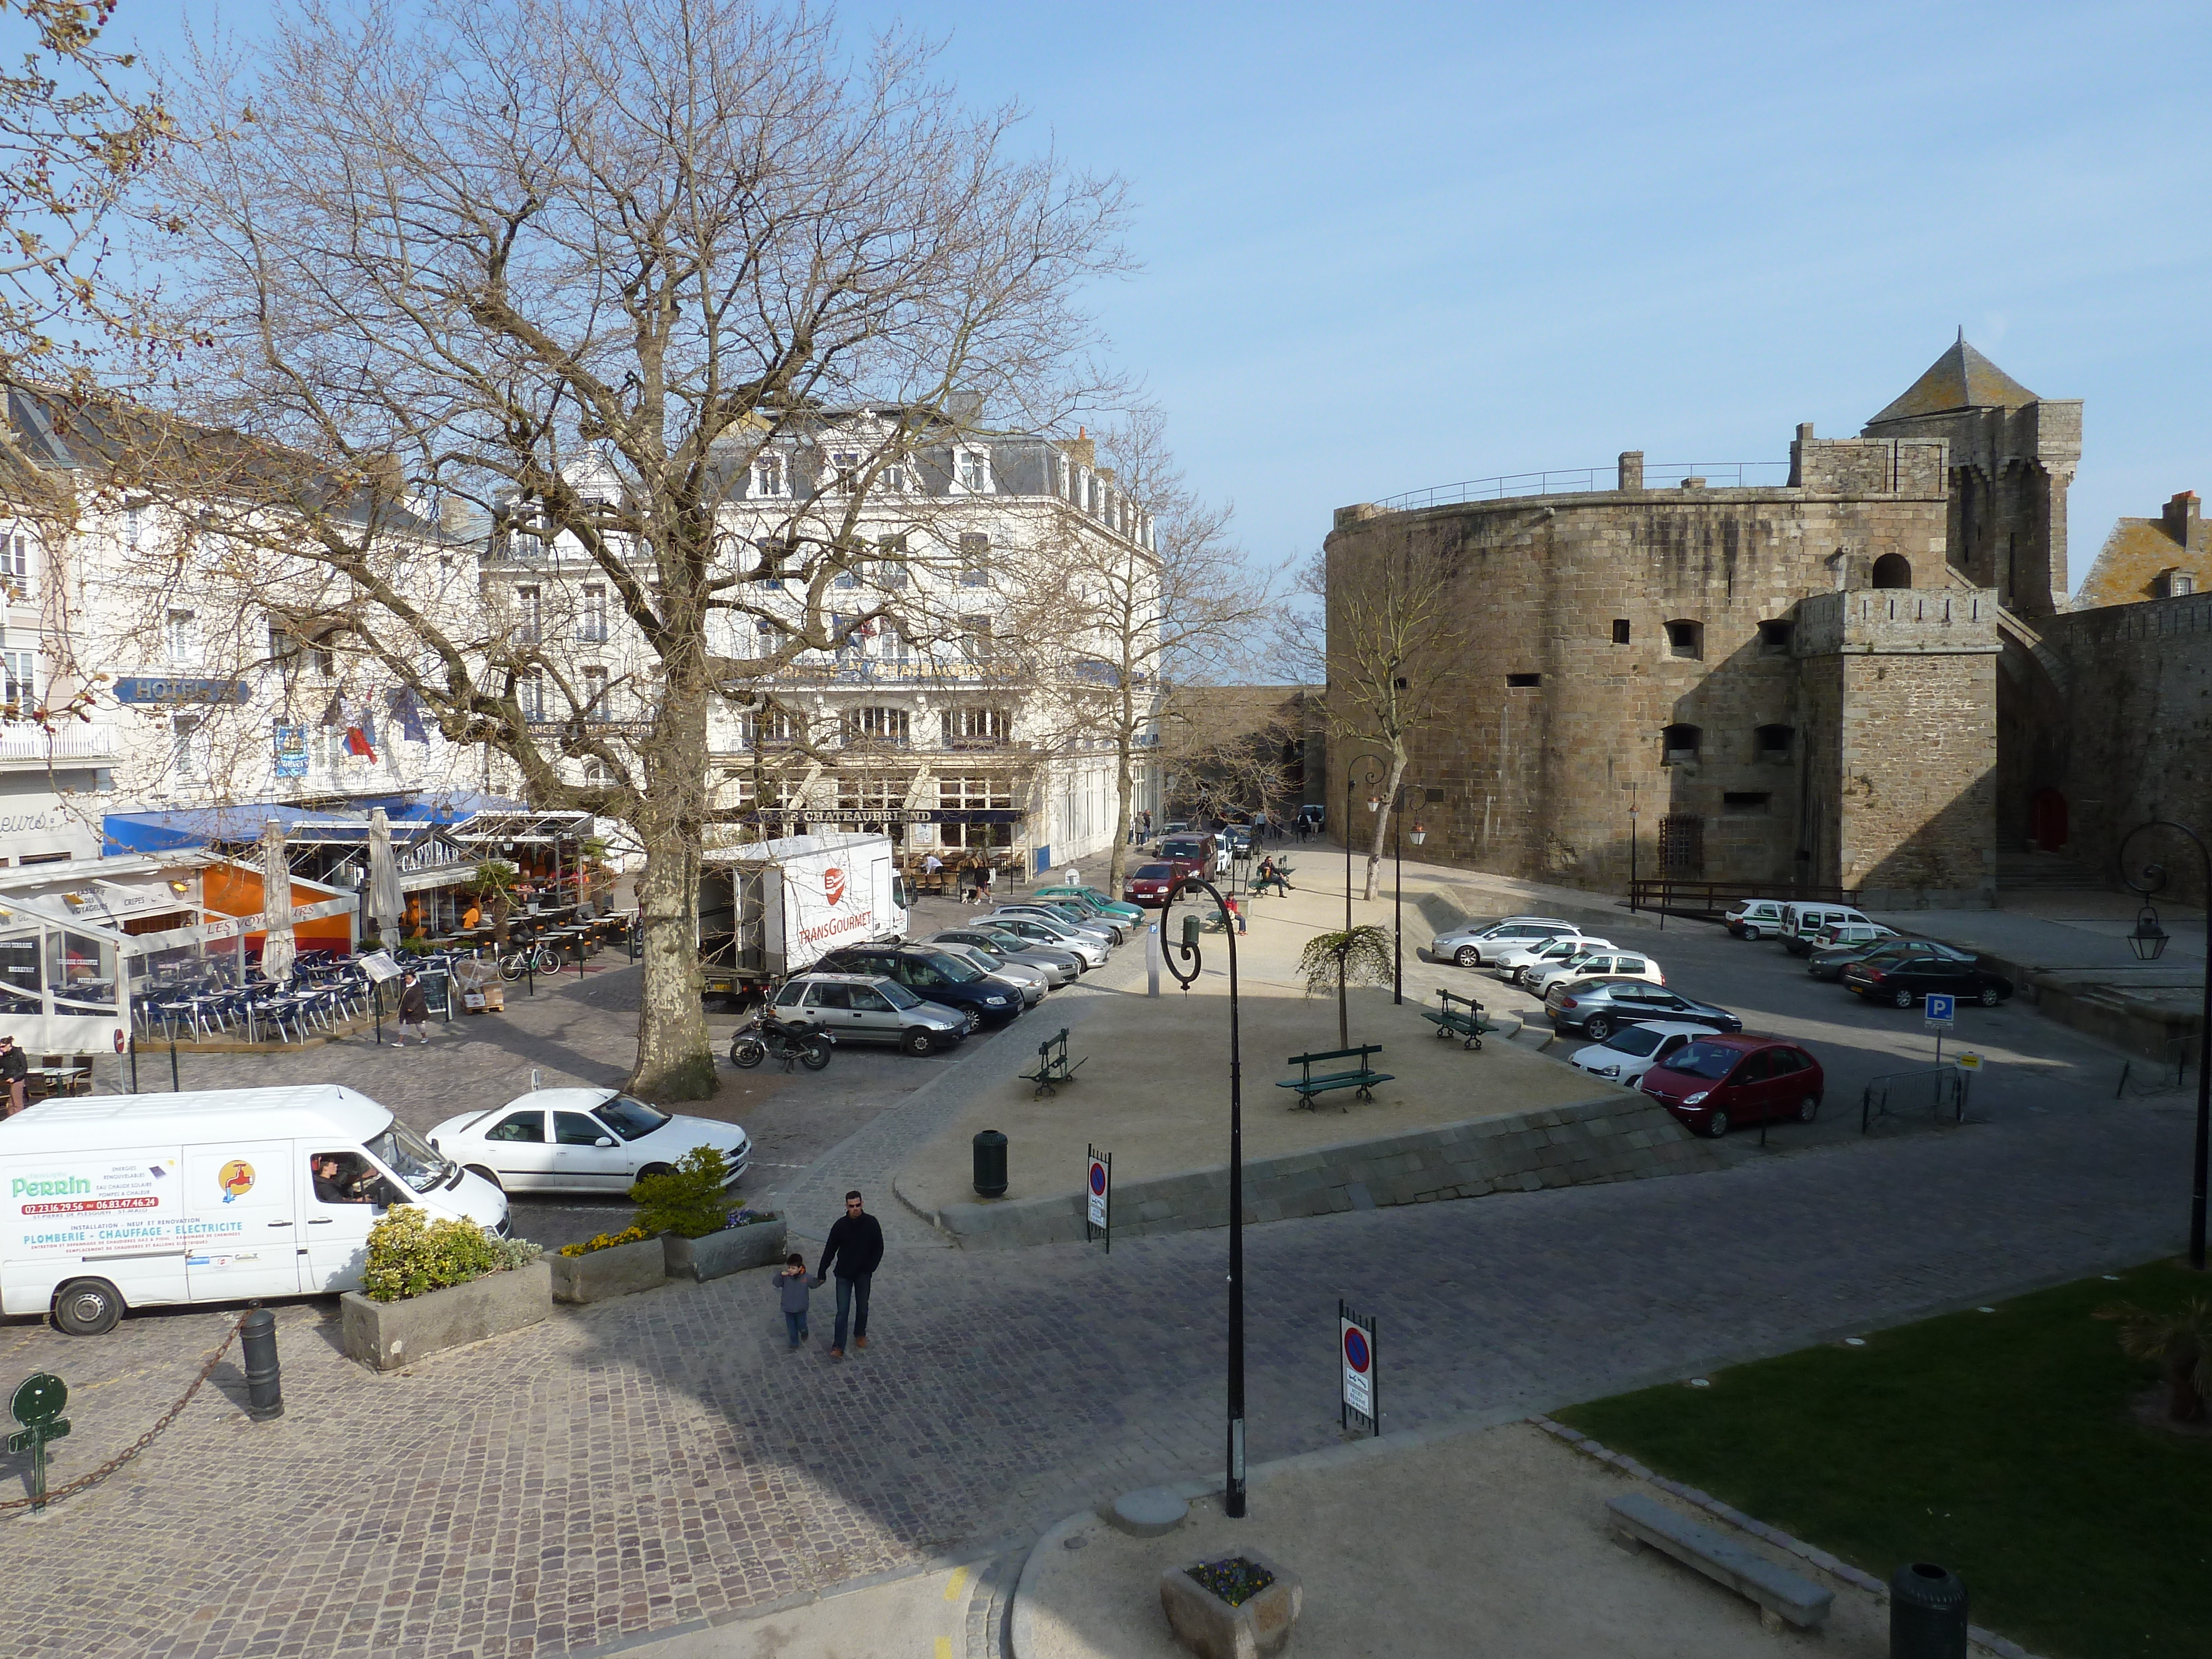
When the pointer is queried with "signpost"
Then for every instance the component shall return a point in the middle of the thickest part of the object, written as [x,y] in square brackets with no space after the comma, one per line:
[1943,1012]
[37,1404]
[1355,1353]
[1098,1198]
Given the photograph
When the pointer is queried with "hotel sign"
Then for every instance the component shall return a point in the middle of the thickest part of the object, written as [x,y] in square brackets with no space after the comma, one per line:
[146,689]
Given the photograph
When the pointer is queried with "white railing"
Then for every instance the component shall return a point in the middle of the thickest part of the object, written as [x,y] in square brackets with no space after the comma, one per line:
[24,740]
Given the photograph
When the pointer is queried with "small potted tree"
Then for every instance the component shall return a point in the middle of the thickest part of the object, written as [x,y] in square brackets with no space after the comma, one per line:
[1239,1606]
[703,1237]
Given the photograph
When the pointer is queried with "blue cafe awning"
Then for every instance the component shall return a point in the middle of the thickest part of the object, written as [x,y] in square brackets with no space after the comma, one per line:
[192,826]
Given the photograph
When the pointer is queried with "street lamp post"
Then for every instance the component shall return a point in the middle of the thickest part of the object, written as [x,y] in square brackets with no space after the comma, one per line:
[2148,942]
[1398,891]
[1370,777]
[1187,950]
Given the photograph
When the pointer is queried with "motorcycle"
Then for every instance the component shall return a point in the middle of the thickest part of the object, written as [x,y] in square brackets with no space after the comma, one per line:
[765,1036]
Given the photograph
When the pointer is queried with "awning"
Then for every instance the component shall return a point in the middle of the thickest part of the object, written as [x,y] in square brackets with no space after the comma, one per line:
[193,826]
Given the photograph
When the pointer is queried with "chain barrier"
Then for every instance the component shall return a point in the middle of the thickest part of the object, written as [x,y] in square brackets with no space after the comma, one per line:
[142,1442]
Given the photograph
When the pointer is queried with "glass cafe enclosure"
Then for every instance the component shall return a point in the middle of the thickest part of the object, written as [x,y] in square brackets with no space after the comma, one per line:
[83,945]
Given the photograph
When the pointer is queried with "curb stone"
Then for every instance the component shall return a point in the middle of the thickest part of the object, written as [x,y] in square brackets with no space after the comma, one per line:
[1990,1641]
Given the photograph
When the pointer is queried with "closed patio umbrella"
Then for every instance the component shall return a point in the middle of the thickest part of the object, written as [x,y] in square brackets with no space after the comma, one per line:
[278,951]
[386,905]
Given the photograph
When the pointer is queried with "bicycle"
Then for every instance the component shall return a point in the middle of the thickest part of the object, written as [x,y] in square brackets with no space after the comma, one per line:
[542,958]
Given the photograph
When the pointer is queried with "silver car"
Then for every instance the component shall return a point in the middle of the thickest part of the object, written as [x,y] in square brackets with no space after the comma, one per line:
[868,1008]
[1048,930]
[1104,928]
[1479,942]
[1059,967]
[1029,981]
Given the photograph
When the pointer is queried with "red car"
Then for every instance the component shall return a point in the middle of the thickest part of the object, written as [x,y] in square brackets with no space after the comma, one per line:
[1718,1081]
[1150,883]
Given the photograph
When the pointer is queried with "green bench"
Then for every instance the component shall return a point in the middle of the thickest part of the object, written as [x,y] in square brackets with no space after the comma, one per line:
[1052,1068]
[1450,1021]
[1309,1085]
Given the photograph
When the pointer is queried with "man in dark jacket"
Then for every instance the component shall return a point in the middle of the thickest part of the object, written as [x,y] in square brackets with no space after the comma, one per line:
[414,1011]
[15,1086]
[856,1249]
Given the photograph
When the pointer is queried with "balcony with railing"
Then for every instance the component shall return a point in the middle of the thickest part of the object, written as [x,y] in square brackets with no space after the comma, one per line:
[26,743]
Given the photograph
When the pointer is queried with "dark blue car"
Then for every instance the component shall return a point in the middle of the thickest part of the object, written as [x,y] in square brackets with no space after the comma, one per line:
[936,976]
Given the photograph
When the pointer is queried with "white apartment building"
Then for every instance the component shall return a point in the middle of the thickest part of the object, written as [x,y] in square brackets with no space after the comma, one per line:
[961,718]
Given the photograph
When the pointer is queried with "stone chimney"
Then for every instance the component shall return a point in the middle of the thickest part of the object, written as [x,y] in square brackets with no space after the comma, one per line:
[2184,515]
[1081,448]
[1632,468]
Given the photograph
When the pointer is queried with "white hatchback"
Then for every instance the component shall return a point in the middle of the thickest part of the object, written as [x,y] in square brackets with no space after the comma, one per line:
[1608,963]
[1632,1050]
[580,1140]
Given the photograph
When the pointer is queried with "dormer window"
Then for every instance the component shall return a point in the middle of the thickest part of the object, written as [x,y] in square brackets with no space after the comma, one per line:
[972,470]
[2175,583]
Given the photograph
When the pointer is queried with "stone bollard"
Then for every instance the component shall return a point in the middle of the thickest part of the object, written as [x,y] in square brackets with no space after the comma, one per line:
[264,1381]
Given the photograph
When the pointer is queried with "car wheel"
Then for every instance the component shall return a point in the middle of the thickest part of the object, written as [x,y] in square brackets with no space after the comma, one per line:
[1467,957]
[917,1041]
[1598,1029]
[1752,934]
[1989,999]
[654,1169]
[1716,1125]
[479,1170]
[974,1020]
[1902,999]
[1808,1108]
[87,1307]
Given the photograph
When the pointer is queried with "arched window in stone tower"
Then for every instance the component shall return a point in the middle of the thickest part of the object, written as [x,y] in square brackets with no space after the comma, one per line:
[1892,570]
[1679,745]
[1686,639]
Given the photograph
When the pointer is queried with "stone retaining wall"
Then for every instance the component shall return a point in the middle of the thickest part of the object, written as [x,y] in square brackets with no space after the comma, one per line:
[1620,1136]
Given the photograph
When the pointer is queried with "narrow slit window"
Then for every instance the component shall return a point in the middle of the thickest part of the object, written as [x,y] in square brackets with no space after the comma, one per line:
[1523,682]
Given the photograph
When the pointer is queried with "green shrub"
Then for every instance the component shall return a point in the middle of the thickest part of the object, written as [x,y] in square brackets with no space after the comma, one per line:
[410,1253]
[687,1200]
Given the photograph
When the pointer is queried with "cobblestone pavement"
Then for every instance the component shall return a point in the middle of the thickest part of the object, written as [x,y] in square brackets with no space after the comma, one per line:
[661,1459]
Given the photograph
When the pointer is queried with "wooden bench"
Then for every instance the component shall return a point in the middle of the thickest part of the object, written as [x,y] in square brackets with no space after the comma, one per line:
[1782,1596]
[1052,1068]
[1363,1078]
[1450,1021]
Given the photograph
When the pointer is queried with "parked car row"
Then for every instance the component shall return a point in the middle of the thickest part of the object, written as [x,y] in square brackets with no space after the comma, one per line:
[1869,960]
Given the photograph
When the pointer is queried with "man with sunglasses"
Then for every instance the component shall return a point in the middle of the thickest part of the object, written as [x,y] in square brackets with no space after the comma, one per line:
[855,1245]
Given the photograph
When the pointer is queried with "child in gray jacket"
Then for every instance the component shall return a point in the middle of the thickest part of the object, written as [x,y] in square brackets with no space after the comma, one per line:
[791,1286]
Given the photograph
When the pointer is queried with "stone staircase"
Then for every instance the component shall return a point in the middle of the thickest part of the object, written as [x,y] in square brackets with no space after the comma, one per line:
[2026,872]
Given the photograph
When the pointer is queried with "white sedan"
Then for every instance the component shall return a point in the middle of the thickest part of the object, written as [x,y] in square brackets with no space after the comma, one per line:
[1632,1050]
[1608,963]
[1525,959]
[580,1140]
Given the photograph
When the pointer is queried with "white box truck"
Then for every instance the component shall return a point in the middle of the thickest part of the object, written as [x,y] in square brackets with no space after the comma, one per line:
[121,1201]
[775,908]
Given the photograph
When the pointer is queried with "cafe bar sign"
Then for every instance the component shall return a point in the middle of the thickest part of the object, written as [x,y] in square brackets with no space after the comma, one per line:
[876,815]
[147,689]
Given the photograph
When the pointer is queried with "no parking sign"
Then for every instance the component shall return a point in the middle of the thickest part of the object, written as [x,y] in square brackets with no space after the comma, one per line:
[1098,1195]
[1355,1353]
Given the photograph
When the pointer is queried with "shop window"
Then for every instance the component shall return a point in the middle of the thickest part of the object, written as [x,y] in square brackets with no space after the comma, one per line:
[1686,639]
[1773,744]
[1621,631]
[1679,745]
[971,794]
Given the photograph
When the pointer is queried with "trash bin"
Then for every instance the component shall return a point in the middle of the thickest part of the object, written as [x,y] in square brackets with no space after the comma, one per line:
[990,1163]
[1927,1613]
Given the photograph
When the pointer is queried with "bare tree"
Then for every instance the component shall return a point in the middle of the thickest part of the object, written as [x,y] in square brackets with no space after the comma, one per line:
[572,267]
[1386,617]
[1228,748]
[1130,620]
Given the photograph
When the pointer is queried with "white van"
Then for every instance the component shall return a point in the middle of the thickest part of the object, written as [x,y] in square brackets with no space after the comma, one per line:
[1800,922]
[120,1201]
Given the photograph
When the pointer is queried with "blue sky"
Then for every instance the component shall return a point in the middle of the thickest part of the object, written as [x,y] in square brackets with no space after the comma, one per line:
[1395,245]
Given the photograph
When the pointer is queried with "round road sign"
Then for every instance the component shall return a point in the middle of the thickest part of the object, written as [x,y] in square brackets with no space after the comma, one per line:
[1356,1353]
[1097,1177]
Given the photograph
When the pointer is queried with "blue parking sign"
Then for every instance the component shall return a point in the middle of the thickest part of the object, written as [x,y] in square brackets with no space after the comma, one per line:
[1942,1009]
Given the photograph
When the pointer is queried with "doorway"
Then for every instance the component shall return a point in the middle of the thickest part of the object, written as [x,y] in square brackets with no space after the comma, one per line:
[2046,821]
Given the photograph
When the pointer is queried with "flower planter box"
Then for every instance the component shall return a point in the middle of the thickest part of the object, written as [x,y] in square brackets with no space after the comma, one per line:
[1253,1629]
[598,1274]
[386,1335]
[732,1251]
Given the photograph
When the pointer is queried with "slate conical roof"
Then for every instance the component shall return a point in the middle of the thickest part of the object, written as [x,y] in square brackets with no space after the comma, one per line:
[1960,379]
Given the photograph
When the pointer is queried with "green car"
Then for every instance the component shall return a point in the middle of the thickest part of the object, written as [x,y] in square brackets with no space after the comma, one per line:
[1091,900]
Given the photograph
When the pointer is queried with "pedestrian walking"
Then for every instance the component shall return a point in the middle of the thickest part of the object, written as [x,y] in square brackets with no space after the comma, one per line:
[853,1252]
[414,1010]
[15,1073]
[791,1293]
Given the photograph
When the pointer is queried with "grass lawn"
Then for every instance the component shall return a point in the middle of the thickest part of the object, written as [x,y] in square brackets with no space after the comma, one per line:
[1999,1444]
